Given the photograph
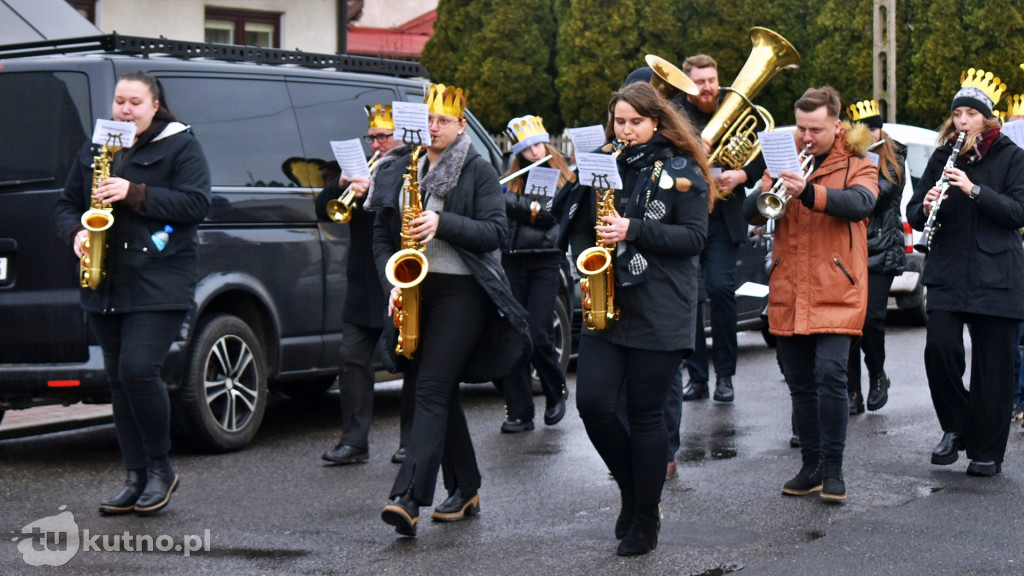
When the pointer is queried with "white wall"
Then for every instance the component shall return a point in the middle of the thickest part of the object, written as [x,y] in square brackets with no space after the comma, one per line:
[391,13]
[310,25]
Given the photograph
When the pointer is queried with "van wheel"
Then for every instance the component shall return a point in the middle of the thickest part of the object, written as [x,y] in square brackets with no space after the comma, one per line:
[221,402]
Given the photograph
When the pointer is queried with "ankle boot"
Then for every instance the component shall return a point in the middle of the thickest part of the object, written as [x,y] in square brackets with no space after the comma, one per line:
[125,500]
[879,393]
[833,486]
[625,516]
[161,481]
[641,538]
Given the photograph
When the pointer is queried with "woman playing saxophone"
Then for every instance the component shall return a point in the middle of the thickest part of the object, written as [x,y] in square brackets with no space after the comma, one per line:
[658,221]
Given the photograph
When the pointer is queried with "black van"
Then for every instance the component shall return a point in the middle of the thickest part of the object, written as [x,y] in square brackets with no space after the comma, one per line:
[272,277]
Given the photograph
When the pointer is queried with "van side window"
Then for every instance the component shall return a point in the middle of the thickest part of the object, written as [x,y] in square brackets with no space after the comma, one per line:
[44,120]
[245,126]
[328,112]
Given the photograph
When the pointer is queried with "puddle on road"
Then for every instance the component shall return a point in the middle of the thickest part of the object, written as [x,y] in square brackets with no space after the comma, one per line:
[258,553]
[720,570]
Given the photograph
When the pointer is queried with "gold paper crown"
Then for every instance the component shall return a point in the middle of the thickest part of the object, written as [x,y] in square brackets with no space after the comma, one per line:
[1015,105]
[447,100]
[380,116]
[527,126]
[987,82]
[863,109]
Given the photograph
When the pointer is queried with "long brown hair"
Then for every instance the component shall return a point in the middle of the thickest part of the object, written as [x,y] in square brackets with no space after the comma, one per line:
[948,131]
[887,159]
[557,162]
[649,103]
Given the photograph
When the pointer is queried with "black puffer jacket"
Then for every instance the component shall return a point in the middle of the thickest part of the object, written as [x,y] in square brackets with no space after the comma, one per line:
[177,192]
[524,236]
[886,253]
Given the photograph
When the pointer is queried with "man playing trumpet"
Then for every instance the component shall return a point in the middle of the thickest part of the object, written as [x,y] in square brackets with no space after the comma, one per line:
[818,282]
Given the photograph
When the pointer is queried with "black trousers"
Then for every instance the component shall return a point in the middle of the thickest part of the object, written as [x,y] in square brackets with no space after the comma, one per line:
[134,348]
[356,379]
[815,369]
[635,455]
[453,311]
[982,413]
[534,282]
[873,340]
[718,263]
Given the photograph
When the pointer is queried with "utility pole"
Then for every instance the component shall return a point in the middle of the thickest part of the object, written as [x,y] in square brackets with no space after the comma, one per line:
[884,58]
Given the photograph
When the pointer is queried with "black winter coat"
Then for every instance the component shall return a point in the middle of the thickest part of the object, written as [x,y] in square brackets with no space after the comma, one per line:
[177,192]
[473,223]
[976,261]
[667,229]
[524,236]
[886,253]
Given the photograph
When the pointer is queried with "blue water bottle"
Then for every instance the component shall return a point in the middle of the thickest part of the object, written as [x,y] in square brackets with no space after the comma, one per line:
[160,237]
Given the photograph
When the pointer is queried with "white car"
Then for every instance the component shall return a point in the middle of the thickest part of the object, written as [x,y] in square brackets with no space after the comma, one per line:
[907,293]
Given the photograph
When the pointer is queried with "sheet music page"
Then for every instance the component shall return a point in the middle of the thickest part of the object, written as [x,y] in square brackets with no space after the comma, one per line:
[349,154]
[411,124]
[587,138]
[542,182]
[119,133]
[598,170]
[779,151]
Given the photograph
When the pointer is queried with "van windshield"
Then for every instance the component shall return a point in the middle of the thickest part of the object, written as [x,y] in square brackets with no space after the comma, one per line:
[44,120]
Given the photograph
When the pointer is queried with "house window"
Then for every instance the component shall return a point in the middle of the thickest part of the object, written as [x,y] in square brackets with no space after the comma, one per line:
[243,27]
[86,8]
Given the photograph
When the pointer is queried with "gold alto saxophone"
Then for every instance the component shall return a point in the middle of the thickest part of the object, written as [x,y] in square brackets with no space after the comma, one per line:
[98,218]
[340,209]
[595,264]
[408,267]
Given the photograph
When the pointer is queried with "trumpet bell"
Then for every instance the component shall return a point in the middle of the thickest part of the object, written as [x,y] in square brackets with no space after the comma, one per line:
[338,211]
[668,79]
[771,205]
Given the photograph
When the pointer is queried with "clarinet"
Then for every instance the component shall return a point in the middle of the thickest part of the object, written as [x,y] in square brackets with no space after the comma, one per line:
[930,226]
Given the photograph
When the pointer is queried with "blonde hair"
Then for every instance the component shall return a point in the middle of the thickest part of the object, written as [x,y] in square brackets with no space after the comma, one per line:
[557,162]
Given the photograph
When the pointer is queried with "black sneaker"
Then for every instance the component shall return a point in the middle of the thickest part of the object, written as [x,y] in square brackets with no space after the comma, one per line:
[879,393]
[695,390]
[833,487]
[808,480]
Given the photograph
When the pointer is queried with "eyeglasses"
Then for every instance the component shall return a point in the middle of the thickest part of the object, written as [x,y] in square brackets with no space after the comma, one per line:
[381,138]
[442,122]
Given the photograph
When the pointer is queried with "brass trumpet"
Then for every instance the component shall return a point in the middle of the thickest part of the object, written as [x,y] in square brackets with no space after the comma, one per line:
[98,218]
[772,204]
[340,209]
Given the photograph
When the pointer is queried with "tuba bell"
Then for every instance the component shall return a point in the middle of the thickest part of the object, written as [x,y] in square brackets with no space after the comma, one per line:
[732,130]
[668,79]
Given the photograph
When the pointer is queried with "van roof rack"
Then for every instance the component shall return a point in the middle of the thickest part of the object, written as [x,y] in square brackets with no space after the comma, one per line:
[139,46]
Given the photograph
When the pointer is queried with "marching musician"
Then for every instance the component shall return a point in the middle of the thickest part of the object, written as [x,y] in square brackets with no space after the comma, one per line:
[818,282]
[658,224]
[974,276]
[471,327]
[160,181]
[886,259]
[532,262]
[365,303]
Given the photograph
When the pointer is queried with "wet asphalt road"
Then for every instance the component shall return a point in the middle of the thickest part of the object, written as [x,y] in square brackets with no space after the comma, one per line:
[548,505]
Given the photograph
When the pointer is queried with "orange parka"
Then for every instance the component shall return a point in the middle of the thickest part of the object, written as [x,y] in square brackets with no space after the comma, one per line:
[818,282]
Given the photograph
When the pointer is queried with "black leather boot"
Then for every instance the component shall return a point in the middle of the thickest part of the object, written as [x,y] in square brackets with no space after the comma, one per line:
[403,513]
[625,515]
[161,481]
[641,538]
[878,395]
[125,500]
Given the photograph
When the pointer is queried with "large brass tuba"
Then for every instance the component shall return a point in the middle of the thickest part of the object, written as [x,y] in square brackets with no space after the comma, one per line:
[340,209]
[668,79]
[408,267]
[732,130]
[595,264]
[98,218]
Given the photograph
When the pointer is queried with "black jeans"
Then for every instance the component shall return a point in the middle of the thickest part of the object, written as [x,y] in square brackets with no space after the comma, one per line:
[134,348]
[453,311]
[982,415]
[815,368]
[534,282]
[873,340]
[635,455]
[718,263]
